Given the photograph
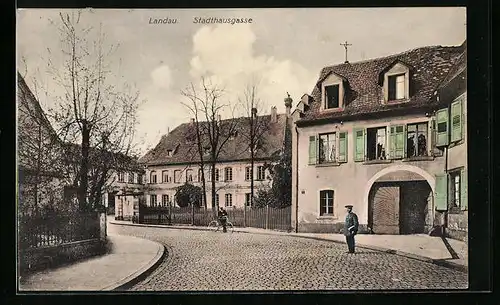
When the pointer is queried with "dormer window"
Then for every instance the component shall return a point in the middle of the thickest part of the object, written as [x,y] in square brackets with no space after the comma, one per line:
[169,153]
[396,82]
[396,87]
[332,96]
[332,89]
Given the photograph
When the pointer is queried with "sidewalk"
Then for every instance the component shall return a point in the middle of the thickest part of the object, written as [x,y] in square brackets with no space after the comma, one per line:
[128,259]
[419,246]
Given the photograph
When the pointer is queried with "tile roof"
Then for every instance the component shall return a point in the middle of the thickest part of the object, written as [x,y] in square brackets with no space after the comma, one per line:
[428,68]
[459,65]
[182,142]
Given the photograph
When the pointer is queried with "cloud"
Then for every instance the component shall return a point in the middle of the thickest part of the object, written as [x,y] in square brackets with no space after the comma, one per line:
[162,77]
[227,53]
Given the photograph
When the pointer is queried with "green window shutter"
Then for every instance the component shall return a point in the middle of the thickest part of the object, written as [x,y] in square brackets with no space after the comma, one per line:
[342,147]
[312,150]
[441,194]
[456,121]
[463,189]
[399,141]
[442,127]
[359,145]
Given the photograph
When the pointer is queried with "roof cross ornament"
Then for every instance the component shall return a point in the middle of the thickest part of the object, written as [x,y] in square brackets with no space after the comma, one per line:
[345,47]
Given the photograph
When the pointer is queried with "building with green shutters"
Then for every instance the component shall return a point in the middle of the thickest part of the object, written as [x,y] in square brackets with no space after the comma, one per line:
[388,136]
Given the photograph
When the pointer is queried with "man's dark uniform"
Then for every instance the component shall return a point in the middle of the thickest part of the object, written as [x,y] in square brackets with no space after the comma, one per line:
[223,219]
[350,228]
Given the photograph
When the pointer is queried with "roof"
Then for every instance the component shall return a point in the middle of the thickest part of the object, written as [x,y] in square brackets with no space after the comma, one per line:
[459,65]
[428,68]
[182,142]
[120,161]
[28,104]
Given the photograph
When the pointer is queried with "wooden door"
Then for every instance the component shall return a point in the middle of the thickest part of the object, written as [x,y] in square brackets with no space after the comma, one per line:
[384,202]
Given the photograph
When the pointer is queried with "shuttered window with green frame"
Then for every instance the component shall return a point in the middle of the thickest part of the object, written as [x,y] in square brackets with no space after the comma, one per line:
[442,127]
[456,120]
[359,144]
[343,147]
[441,192]
[313,148]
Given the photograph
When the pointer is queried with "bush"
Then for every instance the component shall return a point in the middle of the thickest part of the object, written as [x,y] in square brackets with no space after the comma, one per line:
[188,195]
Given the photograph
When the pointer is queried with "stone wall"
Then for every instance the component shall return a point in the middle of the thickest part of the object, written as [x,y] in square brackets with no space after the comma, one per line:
[47,257]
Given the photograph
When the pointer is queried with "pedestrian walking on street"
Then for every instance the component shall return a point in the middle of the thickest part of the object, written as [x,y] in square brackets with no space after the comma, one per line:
[223,218]
[350,228]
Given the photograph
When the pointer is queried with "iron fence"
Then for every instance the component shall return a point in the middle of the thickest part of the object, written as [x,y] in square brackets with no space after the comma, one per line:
[265,217]
[36,230]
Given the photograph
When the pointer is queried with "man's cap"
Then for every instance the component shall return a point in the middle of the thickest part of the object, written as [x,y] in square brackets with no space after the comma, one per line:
[348,206]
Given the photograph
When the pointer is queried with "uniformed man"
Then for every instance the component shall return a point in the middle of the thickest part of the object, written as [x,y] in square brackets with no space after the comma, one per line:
[350,228]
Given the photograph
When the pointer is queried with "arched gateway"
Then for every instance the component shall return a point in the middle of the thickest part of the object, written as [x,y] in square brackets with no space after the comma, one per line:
[400,200]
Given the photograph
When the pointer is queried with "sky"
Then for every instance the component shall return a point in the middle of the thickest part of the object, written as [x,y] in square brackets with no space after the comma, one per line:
[283,50]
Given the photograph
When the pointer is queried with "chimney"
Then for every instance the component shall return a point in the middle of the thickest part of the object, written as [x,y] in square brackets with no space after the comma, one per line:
[288,105]
[274,114]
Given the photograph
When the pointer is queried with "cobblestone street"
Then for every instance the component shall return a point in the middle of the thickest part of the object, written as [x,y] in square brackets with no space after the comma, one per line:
[202,260]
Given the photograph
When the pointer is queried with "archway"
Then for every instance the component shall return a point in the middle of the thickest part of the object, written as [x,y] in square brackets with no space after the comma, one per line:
[400,200]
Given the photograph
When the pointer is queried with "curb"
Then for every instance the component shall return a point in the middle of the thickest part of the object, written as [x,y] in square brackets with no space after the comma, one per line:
[439,262]
[140,274]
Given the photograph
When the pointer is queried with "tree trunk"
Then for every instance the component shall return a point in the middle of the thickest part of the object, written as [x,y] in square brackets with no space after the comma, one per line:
[214,207]
[84,167]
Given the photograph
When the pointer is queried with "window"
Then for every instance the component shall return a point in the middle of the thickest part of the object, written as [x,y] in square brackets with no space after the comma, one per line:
[121,177]
[376,143]
[248,199]
[248,173]
[216,199]
[396,87]
[169,153]
[164,200]
[327,148]
[177,176]
[416,140]
[130,177]
[152,200]
[216,174]
[153,177]
[139,178]
[189,175]
[455,189]
[326,203]
[451,191]
[332,96]
[229,200]
[229,174]
[261,173]
[165,177]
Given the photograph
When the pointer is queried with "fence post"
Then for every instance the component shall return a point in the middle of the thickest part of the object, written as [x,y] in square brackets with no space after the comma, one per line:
[267,216]
[192,214]
[102,223]
[245,214]
[170,213]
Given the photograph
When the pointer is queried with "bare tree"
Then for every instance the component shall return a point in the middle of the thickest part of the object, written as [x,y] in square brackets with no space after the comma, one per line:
[93,111]
[257,125]
[213,133]
[193,107]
